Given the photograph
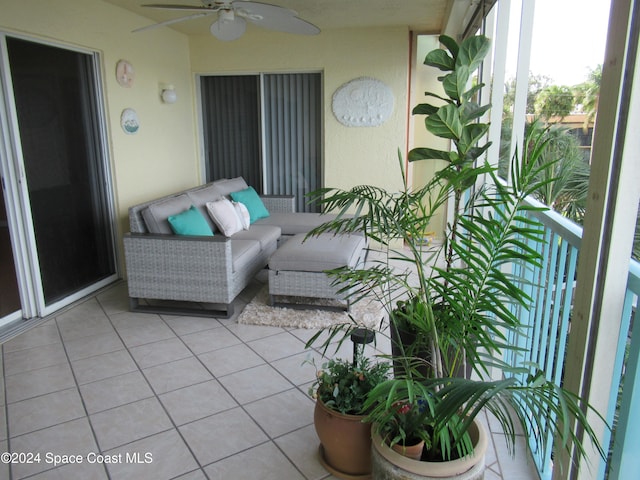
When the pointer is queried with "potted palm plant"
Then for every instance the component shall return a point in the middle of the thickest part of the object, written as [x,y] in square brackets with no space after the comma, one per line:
[341,389]
[459,313]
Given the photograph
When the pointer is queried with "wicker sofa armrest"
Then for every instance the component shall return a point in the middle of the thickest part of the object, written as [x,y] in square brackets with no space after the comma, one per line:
[279,203]
[195,269]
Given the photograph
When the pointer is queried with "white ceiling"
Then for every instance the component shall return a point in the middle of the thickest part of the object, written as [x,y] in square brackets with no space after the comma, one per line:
[428,16]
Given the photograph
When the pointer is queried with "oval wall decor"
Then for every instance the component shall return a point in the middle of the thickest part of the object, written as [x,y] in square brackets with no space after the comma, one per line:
[363,102]
[129,121]
[125,73]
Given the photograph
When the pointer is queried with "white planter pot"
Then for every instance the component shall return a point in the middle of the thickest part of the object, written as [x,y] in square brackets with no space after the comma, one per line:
[390,465]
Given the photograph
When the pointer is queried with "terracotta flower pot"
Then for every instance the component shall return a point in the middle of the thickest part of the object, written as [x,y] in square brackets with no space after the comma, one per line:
[345,448]
[390,465]
[411,451]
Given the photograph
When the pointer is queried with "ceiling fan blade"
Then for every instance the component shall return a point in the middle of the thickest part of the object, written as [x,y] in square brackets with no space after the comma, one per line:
[276,18]
[174,20]
[175,6]
[263,8]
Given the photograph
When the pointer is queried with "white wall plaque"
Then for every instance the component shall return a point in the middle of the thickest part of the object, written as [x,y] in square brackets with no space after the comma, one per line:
[129,121]
[125,73]
[363,102]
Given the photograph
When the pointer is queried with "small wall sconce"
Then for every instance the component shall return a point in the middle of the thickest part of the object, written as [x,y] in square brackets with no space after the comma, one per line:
[168,94]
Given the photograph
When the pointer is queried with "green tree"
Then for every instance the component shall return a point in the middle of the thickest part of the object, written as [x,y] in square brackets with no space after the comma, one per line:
[587,95]
[565,179]
[537,83]
[567,192]
[554,101]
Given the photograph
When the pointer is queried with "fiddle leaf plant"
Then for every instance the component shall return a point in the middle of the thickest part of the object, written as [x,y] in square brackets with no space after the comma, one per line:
[458,120]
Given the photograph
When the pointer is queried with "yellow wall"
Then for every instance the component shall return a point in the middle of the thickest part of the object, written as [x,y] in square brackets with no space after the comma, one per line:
[161,157]
[353,155]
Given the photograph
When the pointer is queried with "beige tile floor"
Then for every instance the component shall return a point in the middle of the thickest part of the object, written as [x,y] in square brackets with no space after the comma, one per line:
[144,396]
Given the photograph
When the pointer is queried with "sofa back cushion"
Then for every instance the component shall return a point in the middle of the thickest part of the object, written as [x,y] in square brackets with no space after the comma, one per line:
[229,185]
[201,196]
[156,214]
[212,192]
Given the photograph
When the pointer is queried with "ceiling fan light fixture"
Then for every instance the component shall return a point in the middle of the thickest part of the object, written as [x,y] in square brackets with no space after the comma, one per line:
[226,16]
[228,27]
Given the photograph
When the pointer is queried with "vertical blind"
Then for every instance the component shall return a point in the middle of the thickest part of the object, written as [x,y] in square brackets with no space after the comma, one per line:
[292,135]
[271,136]
[231,119]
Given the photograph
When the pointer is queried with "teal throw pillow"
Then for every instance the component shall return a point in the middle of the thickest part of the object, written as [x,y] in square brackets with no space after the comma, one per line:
[250,198]
[190,222]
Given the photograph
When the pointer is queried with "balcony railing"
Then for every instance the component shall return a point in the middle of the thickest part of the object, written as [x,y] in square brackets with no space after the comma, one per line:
[545,338]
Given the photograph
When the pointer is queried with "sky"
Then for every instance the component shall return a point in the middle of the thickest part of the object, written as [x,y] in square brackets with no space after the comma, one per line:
[569,38]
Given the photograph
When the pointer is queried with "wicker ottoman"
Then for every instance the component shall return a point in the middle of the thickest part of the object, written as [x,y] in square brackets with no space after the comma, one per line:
[297,269]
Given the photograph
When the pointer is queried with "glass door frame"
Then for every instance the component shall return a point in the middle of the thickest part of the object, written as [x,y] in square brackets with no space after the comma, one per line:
[17,196]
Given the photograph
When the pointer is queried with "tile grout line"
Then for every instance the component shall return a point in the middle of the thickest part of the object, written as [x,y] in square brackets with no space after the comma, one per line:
[70,388]
[6,410]
[239,404]
[269,440]
[75,379]
[49,319]
[156,396]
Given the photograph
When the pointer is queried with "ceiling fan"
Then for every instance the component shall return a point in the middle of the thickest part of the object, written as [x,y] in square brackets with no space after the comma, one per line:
[233,16]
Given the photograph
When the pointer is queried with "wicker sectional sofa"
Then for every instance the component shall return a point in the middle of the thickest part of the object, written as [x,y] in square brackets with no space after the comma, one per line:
[202,275]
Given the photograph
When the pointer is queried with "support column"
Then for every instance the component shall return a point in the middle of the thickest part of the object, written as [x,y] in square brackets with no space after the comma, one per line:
[614,193]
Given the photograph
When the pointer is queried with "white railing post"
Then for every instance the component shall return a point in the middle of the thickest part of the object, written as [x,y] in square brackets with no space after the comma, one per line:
[625,462]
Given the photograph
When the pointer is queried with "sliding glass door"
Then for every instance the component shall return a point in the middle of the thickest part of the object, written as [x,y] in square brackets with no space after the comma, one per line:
[55,174]
[266,128]
[9,293]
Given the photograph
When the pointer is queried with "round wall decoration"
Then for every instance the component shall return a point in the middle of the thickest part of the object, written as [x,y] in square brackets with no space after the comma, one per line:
[363,102]
[125,73]
[129,121]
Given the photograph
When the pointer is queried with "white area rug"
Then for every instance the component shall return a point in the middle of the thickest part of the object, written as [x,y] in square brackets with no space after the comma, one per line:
[259,312]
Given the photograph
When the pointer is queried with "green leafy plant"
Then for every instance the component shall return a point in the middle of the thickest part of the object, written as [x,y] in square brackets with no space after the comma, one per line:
[587,95]
[566,174]
[461,300]
[407,419]
[344,386]
[554,101]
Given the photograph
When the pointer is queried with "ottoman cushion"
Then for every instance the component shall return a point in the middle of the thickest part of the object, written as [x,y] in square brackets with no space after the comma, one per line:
[317,254]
